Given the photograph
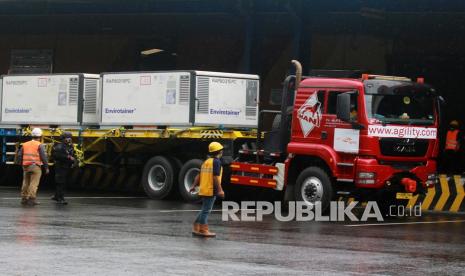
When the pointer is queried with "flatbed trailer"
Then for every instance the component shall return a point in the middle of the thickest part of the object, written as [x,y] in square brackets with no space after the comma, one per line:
[159,161]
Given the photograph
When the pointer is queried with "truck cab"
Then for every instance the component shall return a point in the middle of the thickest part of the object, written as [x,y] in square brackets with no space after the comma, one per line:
[373,137]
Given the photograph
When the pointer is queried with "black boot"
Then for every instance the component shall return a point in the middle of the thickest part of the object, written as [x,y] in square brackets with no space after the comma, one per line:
[62,201]
[24,201]
[32,202]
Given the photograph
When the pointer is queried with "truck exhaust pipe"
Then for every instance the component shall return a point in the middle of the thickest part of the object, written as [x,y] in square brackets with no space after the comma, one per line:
[298,72]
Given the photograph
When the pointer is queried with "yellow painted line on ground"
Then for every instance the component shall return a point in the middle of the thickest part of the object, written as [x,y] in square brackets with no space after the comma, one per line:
[444,194]
[460,194]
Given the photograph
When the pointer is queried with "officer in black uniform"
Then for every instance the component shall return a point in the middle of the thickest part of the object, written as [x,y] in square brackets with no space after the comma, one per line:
[65,159]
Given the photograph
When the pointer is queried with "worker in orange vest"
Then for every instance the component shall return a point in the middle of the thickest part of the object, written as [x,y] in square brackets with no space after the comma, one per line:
[32,157]
[452,148]
[209,181]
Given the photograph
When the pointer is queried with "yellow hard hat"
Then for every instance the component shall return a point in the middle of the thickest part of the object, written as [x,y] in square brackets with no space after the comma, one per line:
[454,123]
[214,147]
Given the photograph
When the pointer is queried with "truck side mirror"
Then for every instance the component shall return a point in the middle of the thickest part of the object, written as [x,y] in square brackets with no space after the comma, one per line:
[343,107]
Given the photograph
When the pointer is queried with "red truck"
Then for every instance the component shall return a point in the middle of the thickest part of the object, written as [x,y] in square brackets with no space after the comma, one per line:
[374,137]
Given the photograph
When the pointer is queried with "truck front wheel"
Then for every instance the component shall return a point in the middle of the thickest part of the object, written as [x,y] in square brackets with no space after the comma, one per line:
[186,180]
[314,185]
[158,177]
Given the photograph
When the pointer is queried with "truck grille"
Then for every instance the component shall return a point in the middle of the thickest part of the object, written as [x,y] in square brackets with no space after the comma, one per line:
[404,166]
[403,147]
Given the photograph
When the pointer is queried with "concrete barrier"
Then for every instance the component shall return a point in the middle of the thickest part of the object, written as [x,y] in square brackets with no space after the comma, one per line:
[447,196]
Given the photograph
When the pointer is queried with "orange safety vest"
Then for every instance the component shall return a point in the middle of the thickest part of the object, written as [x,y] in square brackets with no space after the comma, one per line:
[31,154]
[206,178]
[451,140]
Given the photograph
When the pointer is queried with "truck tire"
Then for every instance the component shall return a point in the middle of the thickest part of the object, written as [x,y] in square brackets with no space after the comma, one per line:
[158,177]
[177,165]
[186,179]
[314,185]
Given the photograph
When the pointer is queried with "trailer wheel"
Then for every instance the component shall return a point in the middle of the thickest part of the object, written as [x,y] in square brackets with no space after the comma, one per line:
[314,185]
[177,165]
[186,179]
[158,177]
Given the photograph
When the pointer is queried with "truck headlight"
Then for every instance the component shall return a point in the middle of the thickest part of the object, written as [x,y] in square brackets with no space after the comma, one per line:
[366,178]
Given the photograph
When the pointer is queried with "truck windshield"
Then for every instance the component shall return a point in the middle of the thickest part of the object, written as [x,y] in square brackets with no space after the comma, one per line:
[399,102]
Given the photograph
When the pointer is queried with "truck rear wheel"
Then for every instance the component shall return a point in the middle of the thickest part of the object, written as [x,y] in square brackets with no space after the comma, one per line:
[314,185]
[158,177]
[186,180]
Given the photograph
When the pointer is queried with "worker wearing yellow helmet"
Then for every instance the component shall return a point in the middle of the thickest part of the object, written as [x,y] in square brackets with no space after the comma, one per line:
[209,181]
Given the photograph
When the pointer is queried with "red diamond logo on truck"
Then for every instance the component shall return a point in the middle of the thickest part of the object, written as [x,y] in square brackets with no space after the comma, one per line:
[309,115]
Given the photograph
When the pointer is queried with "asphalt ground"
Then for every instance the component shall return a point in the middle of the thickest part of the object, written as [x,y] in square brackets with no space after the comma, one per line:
[112,234]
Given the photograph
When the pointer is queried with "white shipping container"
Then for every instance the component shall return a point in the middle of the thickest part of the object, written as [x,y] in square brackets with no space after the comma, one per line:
[145,98]
[51,99]
[179,98]
[226,99]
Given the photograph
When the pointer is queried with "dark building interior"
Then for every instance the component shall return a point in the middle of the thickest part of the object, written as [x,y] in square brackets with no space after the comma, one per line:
[409,38]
